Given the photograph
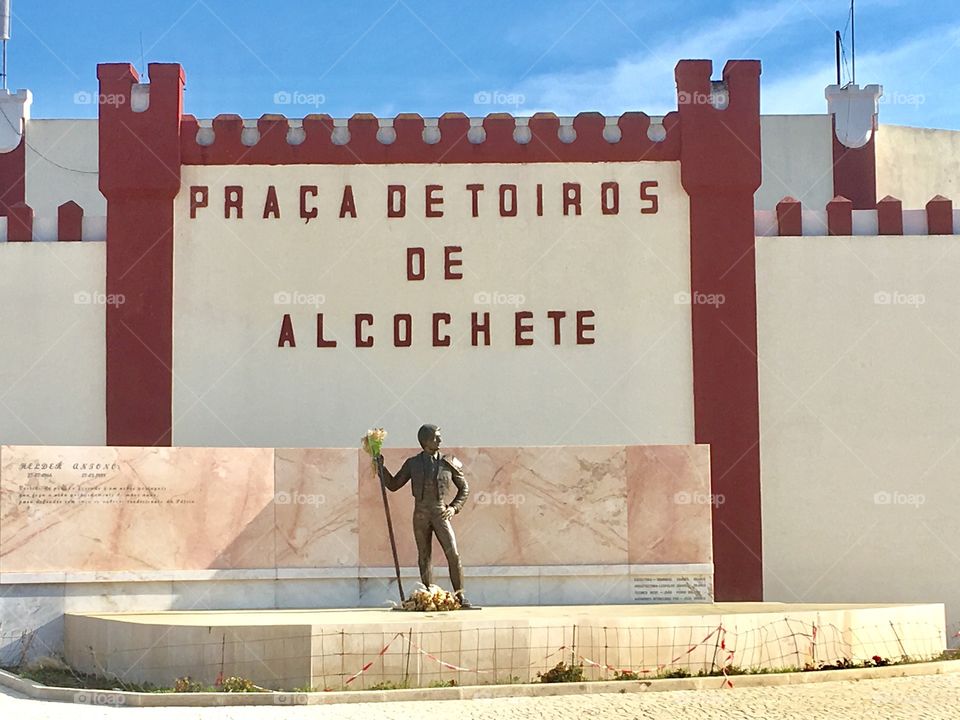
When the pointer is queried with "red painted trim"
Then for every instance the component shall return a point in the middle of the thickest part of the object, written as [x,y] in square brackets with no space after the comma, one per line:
[889,216]
[940,216]
[140,176]
[409,146]
[840,216]
[719,152]
[13,187]
[790,217]
[20,223]
[855,172]
[69,222]
[720,170]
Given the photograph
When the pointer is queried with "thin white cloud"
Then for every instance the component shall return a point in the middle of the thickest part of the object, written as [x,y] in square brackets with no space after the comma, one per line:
[919,85]
[916,76]
[644,80]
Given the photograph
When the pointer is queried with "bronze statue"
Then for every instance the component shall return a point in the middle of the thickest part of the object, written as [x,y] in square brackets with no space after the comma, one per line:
[431,474]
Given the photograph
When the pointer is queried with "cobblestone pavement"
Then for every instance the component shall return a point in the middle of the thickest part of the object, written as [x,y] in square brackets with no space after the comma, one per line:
[931,696]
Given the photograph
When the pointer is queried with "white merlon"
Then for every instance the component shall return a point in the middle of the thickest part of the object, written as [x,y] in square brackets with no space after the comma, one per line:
[865,222]
[656,132]
[719,95]
[16,111]
[814,222]
[386,134]
[567,133]
[915,221]
[205,134]
[250,135]
[477,133]
[140,97]
[854,110]
[765,223]
[340,135]
[296,134]
[431,131]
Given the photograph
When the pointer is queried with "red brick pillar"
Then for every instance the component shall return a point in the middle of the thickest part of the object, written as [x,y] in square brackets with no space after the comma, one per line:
[720,170]
[140,176]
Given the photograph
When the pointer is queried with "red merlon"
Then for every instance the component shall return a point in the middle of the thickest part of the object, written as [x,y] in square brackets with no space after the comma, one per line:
[69,222]
[789,217]
[890,216]
[20,223]
[409,145]
[940,216]
[855,171]
[840,216]
[12,177]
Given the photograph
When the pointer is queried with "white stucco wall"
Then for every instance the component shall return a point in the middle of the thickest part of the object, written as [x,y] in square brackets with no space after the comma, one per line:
[234,386]
[61,162]
[797,160]
[859,345]
[52,386]
[915,164]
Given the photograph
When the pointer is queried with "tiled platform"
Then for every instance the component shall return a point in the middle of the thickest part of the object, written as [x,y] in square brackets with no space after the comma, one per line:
[330,648]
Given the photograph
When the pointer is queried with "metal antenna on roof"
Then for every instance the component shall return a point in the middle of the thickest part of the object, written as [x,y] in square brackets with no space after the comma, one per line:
[842,61]
[838,42]
[4,35]
[853,42]
[143,64]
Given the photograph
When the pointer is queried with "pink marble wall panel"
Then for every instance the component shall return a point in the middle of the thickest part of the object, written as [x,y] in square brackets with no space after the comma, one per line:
[316,508]
[669,504]
[374,543]
[527,506]
[135,509]
[149,509]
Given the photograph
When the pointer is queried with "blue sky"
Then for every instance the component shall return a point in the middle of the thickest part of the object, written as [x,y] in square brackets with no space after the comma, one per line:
[390,56]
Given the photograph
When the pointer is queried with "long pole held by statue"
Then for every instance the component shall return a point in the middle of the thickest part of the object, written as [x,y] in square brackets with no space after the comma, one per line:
[393,540]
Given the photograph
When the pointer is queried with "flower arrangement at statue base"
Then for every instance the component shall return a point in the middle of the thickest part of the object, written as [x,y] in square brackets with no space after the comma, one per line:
[430,599]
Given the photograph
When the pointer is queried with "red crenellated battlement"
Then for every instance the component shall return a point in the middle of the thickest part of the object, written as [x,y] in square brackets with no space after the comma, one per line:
[716,111]
[839,218]
[409,138]
[69,225]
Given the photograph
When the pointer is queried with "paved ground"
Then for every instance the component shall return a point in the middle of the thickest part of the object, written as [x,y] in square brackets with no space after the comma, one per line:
[928,697]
